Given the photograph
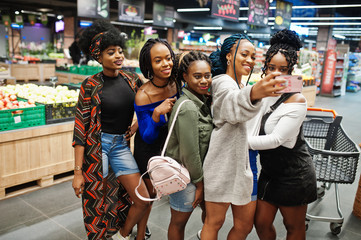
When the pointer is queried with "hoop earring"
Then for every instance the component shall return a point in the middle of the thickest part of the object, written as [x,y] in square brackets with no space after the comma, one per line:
[228,62]
[150,77]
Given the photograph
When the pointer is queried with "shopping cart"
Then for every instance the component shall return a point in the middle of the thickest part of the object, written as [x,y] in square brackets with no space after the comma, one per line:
[335,157]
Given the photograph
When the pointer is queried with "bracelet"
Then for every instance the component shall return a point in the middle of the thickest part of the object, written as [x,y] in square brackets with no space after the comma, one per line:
[77,168]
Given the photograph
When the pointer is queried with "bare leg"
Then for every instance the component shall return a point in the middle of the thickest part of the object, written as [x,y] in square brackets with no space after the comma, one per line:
[265,215]
[242,221]
[177,224]
[139,207]
[215,216]
[294,221]
[142,224]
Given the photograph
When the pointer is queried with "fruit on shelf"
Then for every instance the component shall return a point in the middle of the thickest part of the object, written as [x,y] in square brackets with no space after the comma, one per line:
[10,101]
[43,94]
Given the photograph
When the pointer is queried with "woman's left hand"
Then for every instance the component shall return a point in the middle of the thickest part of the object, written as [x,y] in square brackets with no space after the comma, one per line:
[131,130]
[199,194]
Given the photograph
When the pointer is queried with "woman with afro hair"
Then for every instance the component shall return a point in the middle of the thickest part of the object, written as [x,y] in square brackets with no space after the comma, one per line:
[105,172]
[287,181]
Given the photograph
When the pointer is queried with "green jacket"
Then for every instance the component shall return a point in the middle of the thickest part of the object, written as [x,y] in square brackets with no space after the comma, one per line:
[189,141]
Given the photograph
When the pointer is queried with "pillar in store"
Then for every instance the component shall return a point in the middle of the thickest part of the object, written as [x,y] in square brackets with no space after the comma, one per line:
[170,35]
[14,41]
[323,35]
[69,31]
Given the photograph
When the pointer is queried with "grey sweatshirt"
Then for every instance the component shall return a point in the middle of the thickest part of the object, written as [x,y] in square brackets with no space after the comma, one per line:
[227,174]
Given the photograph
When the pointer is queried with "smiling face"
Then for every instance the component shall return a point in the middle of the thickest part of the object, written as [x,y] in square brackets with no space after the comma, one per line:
[278,64]
[112,60]
[162,62]
[245,58]
[198,77]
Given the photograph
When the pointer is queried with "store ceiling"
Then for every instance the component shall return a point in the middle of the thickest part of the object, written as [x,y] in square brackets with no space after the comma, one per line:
[184,20]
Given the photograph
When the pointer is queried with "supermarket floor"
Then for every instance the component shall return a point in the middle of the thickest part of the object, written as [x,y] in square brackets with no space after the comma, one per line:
[55,213]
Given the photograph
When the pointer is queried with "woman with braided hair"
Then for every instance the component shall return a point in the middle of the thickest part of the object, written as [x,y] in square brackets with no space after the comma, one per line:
[228,178]
[103,121]
[188,143]
[153,104]
[287,180]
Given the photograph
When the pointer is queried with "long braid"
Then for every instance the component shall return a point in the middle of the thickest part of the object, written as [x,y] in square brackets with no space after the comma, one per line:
[187,60]
[287,43]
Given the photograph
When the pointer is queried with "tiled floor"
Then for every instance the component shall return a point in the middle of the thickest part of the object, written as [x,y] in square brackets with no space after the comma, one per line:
[55,213]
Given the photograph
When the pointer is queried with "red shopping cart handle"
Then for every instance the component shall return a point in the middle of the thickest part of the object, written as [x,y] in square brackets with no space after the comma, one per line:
[323,110]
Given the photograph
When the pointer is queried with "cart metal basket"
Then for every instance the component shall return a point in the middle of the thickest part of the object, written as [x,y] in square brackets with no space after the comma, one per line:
[335,157]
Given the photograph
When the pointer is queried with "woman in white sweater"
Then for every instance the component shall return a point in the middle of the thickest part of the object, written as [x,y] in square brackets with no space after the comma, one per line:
[228,179]
[287,181]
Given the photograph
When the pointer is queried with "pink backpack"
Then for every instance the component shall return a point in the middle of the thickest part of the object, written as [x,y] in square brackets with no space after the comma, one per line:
[166,174]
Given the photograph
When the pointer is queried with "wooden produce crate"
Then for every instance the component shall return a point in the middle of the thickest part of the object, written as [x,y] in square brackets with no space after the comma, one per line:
[63,77]
[4,70]
[22,117]
[48,71]
[25,72]
[36,157]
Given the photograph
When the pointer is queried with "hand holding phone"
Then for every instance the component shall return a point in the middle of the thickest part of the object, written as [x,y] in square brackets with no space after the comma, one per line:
[293,83]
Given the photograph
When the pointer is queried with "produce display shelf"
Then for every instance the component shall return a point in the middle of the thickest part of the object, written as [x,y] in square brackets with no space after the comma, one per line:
[11,119]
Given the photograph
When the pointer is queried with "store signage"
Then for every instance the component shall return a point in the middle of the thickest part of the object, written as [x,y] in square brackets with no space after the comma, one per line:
[228,9]
[19,19]
[32,19]
[93,8]
[163,15]
[258,12]
[328,72]
[44,19]
[329,68]
[283,15]
[131,11]
[6,20]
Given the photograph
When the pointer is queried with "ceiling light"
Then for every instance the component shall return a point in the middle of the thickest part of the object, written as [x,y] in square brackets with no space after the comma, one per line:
[309,41]
[206,28]
[328,6]
[16,12]
[148,21]
[352,29]
[325,18]
[324,23]
[339,36]
[313,6]
[44,9]
[193,9]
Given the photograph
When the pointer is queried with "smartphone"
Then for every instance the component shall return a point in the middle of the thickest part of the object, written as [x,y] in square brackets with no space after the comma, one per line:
[293,83]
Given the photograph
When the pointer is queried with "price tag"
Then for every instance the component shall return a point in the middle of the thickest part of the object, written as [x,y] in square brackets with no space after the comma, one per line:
[17,119]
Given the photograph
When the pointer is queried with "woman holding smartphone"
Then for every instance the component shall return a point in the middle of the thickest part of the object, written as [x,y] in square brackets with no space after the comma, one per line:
[287,180]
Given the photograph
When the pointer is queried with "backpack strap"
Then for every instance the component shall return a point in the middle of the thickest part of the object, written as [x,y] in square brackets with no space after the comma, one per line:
[163,152]
[172,126]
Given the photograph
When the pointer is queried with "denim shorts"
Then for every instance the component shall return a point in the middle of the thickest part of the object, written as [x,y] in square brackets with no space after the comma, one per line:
[182,201]
[115,151]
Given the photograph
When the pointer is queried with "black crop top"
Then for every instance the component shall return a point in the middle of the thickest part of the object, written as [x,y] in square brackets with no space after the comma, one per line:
[117,105]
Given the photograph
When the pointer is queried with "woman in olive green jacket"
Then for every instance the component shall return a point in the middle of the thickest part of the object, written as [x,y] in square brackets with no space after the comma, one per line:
[189,140]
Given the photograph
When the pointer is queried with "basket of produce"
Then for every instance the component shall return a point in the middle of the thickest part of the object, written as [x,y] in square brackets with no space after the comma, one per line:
[16,113]
[60,102]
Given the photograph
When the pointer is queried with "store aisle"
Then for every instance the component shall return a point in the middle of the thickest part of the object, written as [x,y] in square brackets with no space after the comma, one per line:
[54,213]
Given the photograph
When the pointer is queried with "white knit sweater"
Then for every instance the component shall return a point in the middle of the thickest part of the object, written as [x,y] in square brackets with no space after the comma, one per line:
[227,174]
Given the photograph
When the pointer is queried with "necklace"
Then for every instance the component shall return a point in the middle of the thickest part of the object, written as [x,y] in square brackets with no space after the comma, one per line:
[163,86]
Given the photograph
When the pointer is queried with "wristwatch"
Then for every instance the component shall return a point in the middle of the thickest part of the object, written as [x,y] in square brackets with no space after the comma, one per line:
[77,168]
